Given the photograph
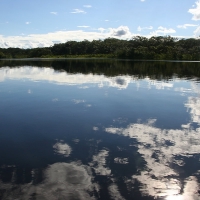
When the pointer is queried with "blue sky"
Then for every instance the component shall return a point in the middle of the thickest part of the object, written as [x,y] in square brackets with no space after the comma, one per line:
[27,24]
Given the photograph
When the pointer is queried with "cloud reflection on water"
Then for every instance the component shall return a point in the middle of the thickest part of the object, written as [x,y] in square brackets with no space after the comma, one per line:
[64,78]
[49,74]
[162,149]
[62,148]
[62,181]
[99,163]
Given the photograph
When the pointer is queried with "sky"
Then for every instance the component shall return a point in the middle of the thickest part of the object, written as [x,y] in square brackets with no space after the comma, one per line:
[30,24]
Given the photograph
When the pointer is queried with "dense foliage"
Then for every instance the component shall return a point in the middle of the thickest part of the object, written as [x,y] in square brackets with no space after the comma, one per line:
[154,48]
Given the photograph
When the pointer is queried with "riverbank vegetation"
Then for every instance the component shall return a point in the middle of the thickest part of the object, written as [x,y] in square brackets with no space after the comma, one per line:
[154,48]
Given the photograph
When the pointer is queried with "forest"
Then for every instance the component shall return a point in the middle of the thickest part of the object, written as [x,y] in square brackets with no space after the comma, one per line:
[138,48]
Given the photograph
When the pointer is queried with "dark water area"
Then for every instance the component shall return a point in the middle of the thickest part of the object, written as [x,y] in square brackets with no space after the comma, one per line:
[99,129]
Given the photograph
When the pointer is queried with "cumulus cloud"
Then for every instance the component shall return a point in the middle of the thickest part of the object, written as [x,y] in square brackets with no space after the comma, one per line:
[195,11]
[49,39]
[120,31]
[27,23]
[184,26]
[46,40]
[78,11]
[163,31]
[101,29]
[143,28]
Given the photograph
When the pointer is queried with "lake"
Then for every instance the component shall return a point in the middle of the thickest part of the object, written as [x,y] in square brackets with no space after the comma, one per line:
[99,129]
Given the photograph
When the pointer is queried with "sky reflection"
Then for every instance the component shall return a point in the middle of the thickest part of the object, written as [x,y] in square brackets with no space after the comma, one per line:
[164,150]
[50,75]
[62,180]
[90,136]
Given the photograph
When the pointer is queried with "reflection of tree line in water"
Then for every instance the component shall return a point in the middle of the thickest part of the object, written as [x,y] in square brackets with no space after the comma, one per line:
[109,67]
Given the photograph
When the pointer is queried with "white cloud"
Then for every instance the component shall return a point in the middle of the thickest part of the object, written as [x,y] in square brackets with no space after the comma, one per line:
[49,39]
[78,11]
[27,23]
[197,32]
[195,11]
[46,40]
[120,31]
[142,28]
[162,31]
[87,6]
[101,30]
[54,13]
[186,26]
[142,0]
[83,26]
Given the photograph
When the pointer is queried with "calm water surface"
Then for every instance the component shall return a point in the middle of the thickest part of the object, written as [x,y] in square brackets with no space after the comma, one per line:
[99,129]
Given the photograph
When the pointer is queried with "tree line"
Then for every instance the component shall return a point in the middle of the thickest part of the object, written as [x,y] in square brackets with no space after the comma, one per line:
[156,70]
[154,48]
